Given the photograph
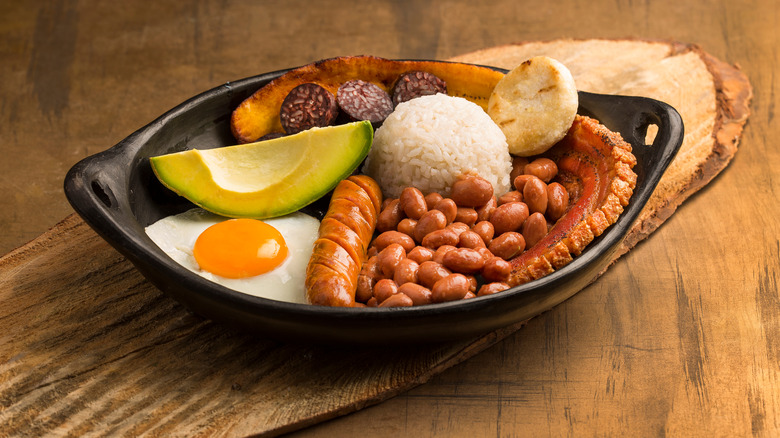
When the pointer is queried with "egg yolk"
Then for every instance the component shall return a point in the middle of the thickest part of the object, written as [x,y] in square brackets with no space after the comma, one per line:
[239,248]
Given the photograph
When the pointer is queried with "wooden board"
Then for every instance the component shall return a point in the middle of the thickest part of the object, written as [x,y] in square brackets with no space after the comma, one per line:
[93,348]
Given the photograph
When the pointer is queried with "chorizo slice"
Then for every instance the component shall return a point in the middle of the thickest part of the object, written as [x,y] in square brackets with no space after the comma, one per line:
[328,287]
[348,213]
[349,190]
[344,236]
[329,253]
[371,187]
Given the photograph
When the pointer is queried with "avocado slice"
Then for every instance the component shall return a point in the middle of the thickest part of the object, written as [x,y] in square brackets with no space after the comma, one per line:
[267,178]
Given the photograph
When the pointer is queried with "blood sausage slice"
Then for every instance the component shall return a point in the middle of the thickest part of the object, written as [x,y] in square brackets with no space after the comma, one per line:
[306,106]
[362,100]
[415,84]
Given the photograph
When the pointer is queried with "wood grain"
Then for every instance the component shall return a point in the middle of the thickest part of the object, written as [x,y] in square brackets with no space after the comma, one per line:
[680,337]
[95,349]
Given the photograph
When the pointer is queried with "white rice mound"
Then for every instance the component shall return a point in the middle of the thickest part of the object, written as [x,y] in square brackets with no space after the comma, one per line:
[427,142]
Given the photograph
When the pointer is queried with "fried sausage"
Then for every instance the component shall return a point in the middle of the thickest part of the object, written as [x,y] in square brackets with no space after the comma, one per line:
[344,235]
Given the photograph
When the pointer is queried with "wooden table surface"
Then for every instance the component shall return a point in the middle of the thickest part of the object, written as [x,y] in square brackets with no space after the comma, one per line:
[77,77]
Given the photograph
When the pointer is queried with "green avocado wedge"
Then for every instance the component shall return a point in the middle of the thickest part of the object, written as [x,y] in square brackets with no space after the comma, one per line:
[268,178]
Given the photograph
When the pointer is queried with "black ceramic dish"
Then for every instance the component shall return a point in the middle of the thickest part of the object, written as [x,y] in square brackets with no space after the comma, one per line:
[117,195]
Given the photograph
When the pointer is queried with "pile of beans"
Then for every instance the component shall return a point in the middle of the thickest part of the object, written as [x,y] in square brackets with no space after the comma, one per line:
[433,249]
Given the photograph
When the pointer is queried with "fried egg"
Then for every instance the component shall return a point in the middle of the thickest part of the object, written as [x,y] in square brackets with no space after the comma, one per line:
[265,258]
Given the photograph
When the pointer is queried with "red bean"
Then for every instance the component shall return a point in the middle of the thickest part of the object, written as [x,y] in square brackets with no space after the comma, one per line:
[450,288]
[467,215]
[543,168]
[518,166]
[496,269]
[369,275]
[471,191]
[431,272]
[484,212]
[473,283]
[471,234]
[491,288]
[535,195]
[509,217]
[557,201]
[507,245]
[420,254]
[431,221]
[407,226]
[438,238]
[463,260]
[406,272]
[485,230]
[365,287]
[513,196]
[419,294]
[412,202]
[448,207]
[387,238]
[486,254]
[458,227]
[438,255]
[534,229]
[520,181]
[470,239]
[388,259]
[397,300]
[431,199]
[386,203]
[384,289]
[390,216]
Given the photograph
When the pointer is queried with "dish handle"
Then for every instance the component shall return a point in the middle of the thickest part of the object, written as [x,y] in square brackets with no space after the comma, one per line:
[633,117]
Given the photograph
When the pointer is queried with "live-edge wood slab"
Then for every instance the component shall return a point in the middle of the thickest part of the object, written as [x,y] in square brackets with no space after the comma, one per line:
[89,347]
[93,347]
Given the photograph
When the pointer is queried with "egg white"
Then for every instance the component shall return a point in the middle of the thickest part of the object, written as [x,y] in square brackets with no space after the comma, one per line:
[176,235]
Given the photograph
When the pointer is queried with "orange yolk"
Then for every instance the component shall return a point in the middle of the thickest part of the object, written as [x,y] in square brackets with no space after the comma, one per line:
[239,248]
